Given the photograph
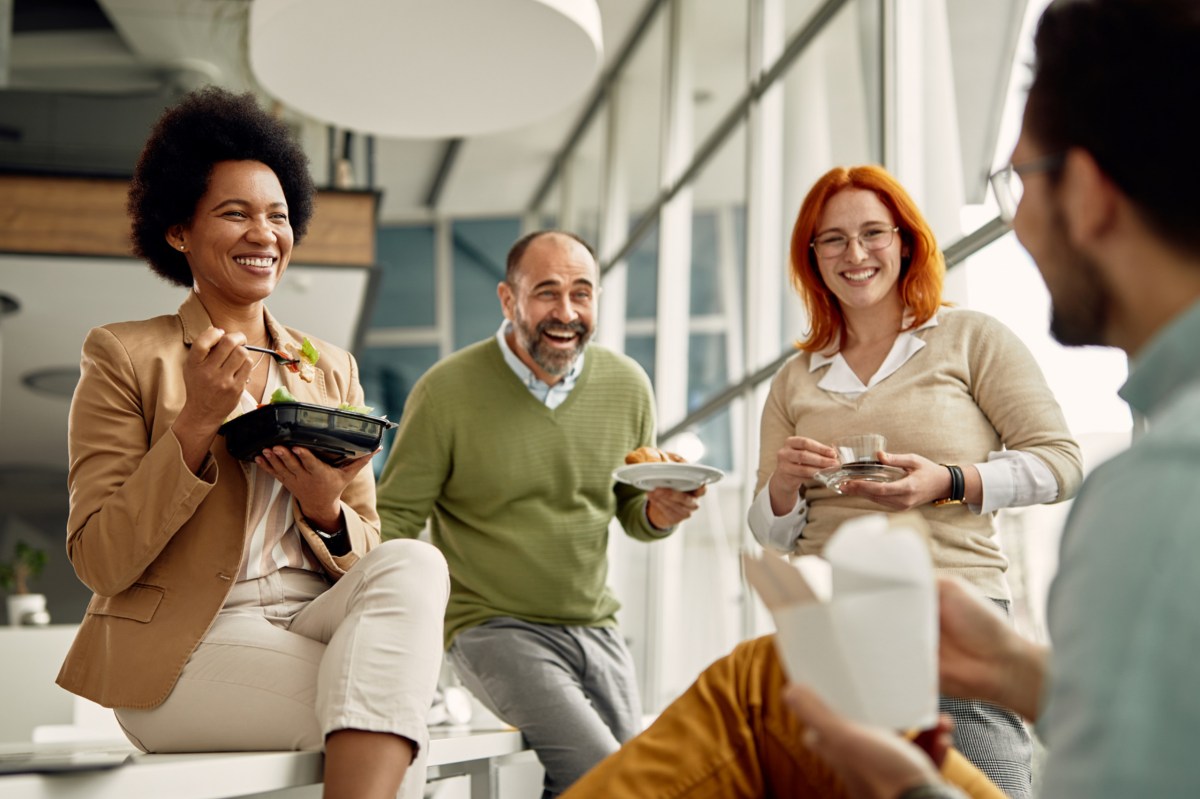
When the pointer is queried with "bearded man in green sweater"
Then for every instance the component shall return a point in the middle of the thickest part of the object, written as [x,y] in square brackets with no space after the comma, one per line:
[508,448]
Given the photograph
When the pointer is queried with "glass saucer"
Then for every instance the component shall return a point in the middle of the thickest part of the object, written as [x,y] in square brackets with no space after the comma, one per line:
[871,472]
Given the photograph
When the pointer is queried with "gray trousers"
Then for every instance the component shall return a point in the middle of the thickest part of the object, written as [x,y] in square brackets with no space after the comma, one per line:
[571,691]
[994,739]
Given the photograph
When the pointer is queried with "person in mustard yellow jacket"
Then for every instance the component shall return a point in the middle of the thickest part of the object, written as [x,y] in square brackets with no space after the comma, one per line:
[238,605]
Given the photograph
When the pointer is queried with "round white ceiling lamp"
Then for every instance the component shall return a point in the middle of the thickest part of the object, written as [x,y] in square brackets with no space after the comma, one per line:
[426,68]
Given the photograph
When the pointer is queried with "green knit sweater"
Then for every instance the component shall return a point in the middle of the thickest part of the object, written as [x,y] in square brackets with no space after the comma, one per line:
[519,496]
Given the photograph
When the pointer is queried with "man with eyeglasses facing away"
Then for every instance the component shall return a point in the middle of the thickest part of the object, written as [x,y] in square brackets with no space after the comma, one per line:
[1102,193]
[508,447]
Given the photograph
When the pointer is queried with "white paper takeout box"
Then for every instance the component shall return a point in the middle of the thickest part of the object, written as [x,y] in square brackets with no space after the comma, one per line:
[860,626]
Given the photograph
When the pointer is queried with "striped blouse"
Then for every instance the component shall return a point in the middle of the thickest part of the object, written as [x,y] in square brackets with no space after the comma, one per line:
[274,543]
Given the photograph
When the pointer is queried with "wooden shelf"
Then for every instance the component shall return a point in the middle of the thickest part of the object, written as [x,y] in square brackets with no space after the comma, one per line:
[86,216]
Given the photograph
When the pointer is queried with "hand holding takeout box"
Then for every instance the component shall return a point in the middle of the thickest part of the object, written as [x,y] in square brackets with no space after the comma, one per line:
[860,626]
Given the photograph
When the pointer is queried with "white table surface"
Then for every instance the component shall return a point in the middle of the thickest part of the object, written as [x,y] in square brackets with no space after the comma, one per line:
[222,774]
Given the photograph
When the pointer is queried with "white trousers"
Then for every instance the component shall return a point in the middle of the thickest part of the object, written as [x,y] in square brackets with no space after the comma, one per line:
[291,658]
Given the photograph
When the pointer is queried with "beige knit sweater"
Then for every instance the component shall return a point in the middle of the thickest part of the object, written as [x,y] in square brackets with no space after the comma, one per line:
[973,389]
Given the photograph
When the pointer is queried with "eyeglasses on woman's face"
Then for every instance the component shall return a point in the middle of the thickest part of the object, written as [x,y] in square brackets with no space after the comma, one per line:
[1008,186]
[834,243]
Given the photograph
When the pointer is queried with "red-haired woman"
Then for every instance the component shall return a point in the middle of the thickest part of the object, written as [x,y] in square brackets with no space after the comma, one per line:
[967,414]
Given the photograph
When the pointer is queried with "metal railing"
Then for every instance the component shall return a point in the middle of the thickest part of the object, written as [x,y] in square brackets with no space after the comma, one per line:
[704,153]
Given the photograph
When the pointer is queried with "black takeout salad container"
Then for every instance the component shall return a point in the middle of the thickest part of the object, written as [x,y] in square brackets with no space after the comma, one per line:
[333,435]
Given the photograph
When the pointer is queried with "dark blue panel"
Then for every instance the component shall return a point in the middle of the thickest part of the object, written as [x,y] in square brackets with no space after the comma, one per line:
[707,370]
[708,373]
[642,297]
[642,349]
[388,375]
[706,248]
[480,247]
[716,433]
[706,278]
[406,290]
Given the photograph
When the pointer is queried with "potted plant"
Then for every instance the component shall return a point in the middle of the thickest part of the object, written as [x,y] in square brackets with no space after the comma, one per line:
[24,607]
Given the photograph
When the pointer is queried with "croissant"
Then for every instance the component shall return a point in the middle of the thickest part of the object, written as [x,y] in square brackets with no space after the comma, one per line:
[653,455]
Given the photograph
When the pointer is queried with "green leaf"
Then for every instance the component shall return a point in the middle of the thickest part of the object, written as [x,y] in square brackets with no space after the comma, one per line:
[309,353]
[27,563]
[281,394]
[345,406]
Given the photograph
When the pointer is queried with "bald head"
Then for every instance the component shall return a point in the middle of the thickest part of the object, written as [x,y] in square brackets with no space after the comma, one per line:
[517,252]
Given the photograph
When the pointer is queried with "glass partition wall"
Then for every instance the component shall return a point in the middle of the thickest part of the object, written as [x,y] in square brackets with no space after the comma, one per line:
[724,114]
[686,172]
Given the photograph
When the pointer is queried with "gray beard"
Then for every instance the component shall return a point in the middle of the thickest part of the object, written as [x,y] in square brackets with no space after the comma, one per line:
[552,361]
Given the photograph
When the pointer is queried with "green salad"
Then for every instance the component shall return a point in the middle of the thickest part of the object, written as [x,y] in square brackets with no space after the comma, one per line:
[281,394]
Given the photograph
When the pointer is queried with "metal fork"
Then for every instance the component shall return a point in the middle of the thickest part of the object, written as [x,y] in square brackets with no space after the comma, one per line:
[279,357]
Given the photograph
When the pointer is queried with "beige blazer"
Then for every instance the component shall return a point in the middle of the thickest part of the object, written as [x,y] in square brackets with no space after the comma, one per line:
[159,545]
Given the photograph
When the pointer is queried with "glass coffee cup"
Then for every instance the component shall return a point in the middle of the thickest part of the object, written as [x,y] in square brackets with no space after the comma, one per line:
[860,450]
[858,459]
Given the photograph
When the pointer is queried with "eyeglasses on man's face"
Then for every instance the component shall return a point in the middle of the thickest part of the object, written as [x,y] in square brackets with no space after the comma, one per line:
[833,244]
[1008,186]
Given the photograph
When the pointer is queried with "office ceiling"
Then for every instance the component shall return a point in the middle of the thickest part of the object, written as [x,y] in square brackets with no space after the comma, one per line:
[86,79]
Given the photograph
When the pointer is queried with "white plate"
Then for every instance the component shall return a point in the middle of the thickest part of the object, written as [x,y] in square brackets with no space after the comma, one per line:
[679,476]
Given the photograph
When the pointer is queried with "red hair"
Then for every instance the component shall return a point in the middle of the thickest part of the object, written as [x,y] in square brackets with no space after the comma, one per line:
[921,271]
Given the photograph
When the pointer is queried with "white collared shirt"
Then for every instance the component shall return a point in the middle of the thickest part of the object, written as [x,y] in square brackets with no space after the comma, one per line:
[1009,478]
[840,379]
[550,395]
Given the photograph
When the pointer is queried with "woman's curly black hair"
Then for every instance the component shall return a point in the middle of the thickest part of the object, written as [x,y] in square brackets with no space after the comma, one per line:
[208,126]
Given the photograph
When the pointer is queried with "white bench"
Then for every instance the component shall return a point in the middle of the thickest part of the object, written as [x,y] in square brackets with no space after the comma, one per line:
[33,708]
[453,752]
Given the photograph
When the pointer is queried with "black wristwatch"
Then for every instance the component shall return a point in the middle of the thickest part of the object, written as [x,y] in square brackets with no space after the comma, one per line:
[958,487]
[337,543]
